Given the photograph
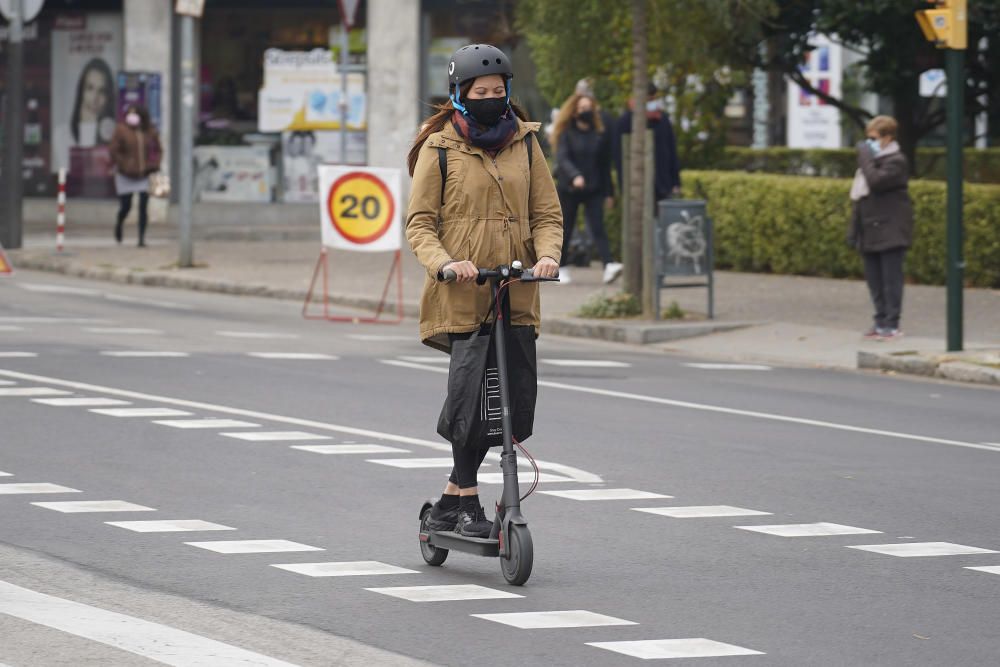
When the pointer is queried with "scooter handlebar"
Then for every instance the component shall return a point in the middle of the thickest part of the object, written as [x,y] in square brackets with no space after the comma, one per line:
[527,276]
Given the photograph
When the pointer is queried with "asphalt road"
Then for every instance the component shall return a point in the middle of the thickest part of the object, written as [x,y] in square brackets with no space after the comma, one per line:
[889,461]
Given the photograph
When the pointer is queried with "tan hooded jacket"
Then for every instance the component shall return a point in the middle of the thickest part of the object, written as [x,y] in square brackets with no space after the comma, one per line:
[494,211]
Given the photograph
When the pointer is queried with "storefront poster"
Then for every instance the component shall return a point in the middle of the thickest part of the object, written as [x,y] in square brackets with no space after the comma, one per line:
[232,173]
[302,91]
[302,154]
[812,123]
[86,53]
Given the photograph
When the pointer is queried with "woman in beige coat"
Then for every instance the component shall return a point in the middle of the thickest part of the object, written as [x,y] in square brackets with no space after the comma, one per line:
[496,204]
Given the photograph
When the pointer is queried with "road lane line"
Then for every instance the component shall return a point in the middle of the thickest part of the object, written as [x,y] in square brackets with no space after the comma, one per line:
[80,402]
[169,526]
[605,494]
[706,407]
[576,474]
[143,354]
[17,355]
[446,593]
[140,412]
[345,569]
[32,391]
[294,356]
[570,618]
[728,367]
[34,487]
[161,643]
[701,511]
[81,506]
[586,363]
[266,436]
[662,649]
[124,331]
[262,335]
[253,546]
[922,549]
[206,423]
[821,529]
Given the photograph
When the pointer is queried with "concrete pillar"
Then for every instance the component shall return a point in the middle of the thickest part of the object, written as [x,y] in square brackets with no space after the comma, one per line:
[147,49]
[393,80]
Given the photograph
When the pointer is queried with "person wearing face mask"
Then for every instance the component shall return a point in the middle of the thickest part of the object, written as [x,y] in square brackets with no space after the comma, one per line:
[482,196]
[135,152]
[666,165]
[583,164]
[881,226]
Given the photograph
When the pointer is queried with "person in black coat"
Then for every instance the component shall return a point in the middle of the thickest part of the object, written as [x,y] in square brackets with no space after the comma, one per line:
[666,165]
[583,176]
[882,222]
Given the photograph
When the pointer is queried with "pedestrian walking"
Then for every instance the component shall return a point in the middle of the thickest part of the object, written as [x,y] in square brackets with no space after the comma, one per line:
[135,152]
[482,196]
[666,165]
[881,226]
[583,171]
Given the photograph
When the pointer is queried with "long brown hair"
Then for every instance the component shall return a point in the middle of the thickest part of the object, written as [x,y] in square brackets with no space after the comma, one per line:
[567,112]
[437,122]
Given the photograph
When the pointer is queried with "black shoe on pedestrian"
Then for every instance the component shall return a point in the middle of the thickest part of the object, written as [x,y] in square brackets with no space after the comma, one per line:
[472,520]
[442,518]
[118,233]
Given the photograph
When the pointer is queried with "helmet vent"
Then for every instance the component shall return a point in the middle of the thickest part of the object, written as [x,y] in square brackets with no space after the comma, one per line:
[486,62]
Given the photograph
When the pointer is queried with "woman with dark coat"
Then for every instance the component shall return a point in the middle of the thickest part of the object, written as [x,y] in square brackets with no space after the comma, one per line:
[583,166]
[882,222]
[135,151]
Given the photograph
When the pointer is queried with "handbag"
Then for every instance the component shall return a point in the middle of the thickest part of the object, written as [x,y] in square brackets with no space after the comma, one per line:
[471,415]
[159,184]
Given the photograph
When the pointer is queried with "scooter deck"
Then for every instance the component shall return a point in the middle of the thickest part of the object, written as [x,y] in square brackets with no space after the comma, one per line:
[482,546]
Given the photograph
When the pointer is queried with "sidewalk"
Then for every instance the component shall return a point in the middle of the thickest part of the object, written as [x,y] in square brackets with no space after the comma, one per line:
[764,318]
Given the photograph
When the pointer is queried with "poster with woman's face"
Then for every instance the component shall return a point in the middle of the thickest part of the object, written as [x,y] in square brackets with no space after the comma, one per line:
[86,55]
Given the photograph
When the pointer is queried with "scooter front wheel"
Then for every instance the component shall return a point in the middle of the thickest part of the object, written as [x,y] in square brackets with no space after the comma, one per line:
[432,555]
[520,554]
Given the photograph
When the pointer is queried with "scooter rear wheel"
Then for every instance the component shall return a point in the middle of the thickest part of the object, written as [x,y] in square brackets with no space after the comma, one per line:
[432,555]
[516,565]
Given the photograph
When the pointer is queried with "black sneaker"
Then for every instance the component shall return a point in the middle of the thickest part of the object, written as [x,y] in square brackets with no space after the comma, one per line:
[442,519]
[472,522]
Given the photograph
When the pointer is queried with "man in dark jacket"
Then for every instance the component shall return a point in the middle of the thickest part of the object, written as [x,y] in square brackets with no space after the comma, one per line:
[666,166]
[882,222]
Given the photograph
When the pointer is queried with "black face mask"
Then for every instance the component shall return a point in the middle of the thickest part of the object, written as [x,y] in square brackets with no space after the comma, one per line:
[487,111]
[586,117]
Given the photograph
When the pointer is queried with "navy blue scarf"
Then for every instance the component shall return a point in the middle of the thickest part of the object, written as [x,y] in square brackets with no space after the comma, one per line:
[490,139]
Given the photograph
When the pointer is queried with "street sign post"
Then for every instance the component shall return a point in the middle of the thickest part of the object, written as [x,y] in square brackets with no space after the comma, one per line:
[348,12]
[29,9]
[13,128]
[947,27]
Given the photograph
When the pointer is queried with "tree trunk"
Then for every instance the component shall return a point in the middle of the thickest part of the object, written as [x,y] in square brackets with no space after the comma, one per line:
[637,149]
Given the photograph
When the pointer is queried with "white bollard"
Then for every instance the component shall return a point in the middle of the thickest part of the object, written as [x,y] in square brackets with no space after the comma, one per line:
[61,215]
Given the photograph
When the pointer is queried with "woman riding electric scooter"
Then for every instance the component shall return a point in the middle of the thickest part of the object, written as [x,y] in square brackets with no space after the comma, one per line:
[478,199]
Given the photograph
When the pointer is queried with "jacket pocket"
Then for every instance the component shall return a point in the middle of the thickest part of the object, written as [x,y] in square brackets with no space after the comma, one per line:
[454,235]
[876,233]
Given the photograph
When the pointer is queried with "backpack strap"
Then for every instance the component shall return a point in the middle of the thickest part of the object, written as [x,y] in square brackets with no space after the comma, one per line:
[530,145]
[443,164]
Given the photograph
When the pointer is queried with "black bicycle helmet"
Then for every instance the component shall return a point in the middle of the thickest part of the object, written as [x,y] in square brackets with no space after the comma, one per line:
[475,60]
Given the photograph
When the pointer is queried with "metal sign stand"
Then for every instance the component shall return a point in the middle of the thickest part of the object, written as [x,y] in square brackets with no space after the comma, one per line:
[322,265]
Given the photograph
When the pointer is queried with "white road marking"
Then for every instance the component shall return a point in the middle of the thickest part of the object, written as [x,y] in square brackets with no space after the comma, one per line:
[992,444]
[10,327]
[6,383]
[294,356]
[345,569]
[571,618]
[700,511]
[919,549]
[157,642]
[54,320]
[706,407]
[169,526]
[124,331]
[5,474]
[82,506]
[253,546]
[262,335]
[440,359]
[381,337]
[577,474]
[141,412]
[46,288]
[661,649]
[144,354]
[821,529]
[604,494]
[17,355]
[172,305]
[32,391]
[445,593]
[205,423]
[989,569]
[523,477]
[729,367]
[260,436]
[34,487]
[415,463]
[80,402]
[351,449]
[585,363]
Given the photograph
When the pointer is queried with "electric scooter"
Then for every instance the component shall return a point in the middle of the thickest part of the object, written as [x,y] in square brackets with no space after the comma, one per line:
[510,539]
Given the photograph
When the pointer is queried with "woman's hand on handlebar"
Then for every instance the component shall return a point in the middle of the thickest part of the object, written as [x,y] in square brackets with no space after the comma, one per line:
[465,271]
[546,267]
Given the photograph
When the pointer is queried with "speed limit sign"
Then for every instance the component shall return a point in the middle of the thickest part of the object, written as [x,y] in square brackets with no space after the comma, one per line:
[359,208]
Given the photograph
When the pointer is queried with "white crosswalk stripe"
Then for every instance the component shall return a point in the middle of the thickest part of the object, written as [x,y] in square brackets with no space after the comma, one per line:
[344,569]
[989,569]
[124,331]
[700,511]
[32,391]
[141,412]
[294,356]
[15,354]
[605,494]
[5,474]
[729,367]
[262,436]
[81,506]
[447,593]
[351,449]
[921,549]
[415,463]
[572,618]
[168,526]
[34,487]
[586,363]
[661,649]
[80,402]
[821,529]
[259,335]
[253,546]
[144,354]
[523,477]
[205,423]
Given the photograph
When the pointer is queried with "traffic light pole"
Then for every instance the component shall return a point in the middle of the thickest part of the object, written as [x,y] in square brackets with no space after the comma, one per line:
[186,144]
[13,133]
[955,64]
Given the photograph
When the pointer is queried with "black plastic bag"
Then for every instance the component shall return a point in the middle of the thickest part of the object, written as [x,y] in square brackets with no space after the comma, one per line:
[471,415]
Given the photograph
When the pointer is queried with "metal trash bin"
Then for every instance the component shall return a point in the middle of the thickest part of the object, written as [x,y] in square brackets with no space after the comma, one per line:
[683,248]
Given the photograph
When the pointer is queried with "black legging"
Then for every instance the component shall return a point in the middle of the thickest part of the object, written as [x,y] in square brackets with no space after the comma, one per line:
[467,461]
[125,205]
[593,213]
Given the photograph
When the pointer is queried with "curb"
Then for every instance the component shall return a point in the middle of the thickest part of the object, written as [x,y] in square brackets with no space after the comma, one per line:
[636,333]
[930,365]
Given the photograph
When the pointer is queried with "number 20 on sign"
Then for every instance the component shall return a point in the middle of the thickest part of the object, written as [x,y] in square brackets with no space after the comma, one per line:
[359,208]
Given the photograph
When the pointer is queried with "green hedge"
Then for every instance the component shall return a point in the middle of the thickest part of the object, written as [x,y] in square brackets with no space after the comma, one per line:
[797,225]
[980,166]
